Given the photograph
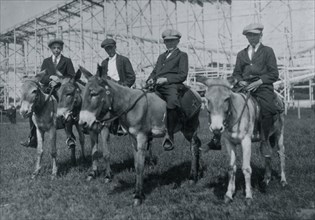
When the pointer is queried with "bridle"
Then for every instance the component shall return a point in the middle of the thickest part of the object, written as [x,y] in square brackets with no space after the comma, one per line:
[229,114]
[102,117]
[36,106]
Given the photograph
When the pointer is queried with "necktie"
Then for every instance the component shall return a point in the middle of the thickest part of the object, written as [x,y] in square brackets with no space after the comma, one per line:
[253,52]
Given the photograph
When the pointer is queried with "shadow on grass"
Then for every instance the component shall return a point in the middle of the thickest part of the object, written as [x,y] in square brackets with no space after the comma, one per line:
[175,176]
[220,183]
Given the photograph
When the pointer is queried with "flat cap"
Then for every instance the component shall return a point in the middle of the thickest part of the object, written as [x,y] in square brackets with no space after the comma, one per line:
[108,42]
[55,41]
[171,34]
[255,28]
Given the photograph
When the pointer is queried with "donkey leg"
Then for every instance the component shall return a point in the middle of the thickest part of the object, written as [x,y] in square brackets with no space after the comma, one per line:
[40,142]
[94,143]
[232,170]
[82,140]
[53,148]
[282,160]
[247,170]
[139,157]
[195,153]
[70,141]
[106,153]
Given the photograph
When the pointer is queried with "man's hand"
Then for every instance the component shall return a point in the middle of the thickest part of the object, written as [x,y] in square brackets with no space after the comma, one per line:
[54,78]
[161,81]
[254,85]
[243,83]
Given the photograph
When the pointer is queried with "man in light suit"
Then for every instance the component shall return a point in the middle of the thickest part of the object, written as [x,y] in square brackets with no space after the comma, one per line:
[52,64]
[170,72]
[119,69]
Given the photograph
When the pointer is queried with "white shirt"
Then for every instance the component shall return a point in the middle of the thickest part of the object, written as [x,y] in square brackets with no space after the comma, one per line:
[170,53]
[250,49]
[112,68]
[58,58]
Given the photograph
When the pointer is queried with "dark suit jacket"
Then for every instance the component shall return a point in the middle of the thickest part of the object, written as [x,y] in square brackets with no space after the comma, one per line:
[174,68]
[65,67]
[125,71]
[263,66]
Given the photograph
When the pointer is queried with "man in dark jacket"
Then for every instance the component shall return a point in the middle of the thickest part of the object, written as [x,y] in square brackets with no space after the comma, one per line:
[256,70]
[170,72]
[116,66]
[53,65]
[119,69]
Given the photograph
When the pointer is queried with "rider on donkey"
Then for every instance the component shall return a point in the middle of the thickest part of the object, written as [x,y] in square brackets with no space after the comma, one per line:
[170,72]
[118,68]
[256,71]
[52,64]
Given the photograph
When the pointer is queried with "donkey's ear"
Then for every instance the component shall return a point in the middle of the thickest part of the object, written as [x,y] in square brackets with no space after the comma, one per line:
[204,80]
[231,80]
[99,71]
[39,76]
[85,72]
[77,75]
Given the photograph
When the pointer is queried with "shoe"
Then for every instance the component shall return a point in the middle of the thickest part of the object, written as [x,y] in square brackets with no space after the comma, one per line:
[214,144]
[168,144]
[29,143]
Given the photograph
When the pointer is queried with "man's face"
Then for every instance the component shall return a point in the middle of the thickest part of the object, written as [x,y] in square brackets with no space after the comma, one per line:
[110,50]
[171,44]
[253,38]
[56,49]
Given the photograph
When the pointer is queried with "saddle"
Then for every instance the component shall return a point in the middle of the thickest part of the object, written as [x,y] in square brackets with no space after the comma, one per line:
[189,100]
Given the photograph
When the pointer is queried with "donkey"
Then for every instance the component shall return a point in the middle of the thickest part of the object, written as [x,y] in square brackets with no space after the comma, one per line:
[141,113]
[68,109]
[235,115]
[42,108]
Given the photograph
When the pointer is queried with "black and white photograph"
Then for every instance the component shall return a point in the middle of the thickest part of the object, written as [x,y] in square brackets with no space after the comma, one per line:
[157,109]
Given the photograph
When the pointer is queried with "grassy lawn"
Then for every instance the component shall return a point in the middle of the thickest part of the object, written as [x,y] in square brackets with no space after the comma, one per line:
[168,194]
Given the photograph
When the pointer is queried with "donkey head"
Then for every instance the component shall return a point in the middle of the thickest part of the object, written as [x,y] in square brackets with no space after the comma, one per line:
[97,98]
[31,94]
[218,97]
[69,97]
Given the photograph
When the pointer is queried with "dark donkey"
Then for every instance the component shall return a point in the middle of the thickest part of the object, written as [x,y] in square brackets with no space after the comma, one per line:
[142,114]
[68,110]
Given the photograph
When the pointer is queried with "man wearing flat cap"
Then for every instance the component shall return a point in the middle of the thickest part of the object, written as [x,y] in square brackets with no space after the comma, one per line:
[54,65]
[256,70]
[116,66]
[170,72]
[119,69]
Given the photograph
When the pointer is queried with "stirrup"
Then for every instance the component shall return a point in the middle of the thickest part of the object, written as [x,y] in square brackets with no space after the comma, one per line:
[168,146]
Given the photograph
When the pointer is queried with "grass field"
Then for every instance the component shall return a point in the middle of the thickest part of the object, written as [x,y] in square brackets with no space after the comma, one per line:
[168,194]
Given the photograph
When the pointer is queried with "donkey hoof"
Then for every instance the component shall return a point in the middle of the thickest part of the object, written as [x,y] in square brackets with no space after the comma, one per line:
[53,177]
[35,174]
[284,183]
[137,202]
[108,179]
[227,200]
[248,201]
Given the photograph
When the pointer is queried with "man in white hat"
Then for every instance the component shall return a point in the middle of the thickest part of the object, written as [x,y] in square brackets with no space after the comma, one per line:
[54,65]
[256,70]
[170,72]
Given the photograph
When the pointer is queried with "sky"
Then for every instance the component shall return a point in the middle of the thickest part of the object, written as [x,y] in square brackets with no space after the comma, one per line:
[13,12]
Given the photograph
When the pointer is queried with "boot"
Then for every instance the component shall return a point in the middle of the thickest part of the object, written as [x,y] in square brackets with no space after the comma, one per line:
[267,122]
[215,143]
[32,138]
[171,121]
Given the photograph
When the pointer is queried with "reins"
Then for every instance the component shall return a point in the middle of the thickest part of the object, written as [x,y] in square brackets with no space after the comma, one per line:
[105,120]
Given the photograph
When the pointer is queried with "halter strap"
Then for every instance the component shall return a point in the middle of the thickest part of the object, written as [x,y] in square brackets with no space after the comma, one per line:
[104,120]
